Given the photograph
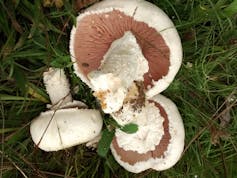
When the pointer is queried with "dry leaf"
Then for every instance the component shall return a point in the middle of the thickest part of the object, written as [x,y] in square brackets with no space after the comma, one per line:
[189,35]
[80,4]
[217,135]
[225,118]
[58,3]
[50,3]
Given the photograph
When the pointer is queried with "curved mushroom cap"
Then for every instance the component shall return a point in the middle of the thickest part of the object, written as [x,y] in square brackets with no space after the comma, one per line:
[167,150]
[64,128]
[108,20]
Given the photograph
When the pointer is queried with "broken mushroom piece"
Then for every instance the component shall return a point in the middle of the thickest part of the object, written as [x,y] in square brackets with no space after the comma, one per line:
[92,41]
[67,123]
[58,89]
[159,141]
[122,66]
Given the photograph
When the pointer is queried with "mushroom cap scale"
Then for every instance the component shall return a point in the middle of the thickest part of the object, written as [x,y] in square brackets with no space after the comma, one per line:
[106,21]
[167,151]
[60,129]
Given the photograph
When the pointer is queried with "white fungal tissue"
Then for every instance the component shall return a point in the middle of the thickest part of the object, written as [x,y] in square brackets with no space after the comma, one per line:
[123,64]
[149,133]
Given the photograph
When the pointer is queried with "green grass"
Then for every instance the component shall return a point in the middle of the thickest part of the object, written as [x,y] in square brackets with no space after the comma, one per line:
[34,37]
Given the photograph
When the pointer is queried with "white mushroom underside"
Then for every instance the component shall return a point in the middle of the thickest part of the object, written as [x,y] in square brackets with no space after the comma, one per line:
[141,11]
[150,130]
[175,147]
[123,64]
[56,130]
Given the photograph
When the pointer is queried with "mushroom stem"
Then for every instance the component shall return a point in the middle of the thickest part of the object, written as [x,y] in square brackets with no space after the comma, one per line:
[57,86]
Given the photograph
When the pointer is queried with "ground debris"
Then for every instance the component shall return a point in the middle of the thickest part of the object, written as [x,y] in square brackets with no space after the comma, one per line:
[50,3]
[225,118]
[219,132]
[81,4]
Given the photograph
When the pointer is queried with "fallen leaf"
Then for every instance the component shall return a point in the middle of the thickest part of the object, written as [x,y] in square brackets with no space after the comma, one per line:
[233,41]
[225,118]
[80,4]
[217,135]
[58,3]
[189,35]
[47,3]
[50,3]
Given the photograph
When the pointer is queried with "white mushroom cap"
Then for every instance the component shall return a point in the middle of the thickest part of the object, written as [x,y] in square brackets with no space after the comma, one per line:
[64,128]
[140,11]
[136,158]
[68,122]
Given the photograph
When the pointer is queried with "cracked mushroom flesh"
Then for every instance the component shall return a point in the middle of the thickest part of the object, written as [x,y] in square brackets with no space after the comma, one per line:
[159,141]
[104,27]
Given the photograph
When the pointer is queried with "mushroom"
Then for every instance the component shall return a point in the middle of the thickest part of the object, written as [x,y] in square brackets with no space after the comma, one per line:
[94,38]
[67,123]
[159,141]
[127,52]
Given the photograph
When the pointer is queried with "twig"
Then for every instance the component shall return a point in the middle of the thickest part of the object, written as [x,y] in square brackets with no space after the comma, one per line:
[58,107]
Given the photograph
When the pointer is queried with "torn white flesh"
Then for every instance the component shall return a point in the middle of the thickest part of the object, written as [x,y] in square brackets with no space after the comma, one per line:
[123,64]
[57,86]
[59,129]
[150,129]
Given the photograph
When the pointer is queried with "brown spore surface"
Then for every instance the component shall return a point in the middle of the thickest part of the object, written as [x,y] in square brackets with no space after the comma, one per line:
[132,157]
[96,32]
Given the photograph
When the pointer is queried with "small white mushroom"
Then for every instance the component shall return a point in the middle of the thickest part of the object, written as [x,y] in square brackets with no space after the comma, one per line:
[67,123]
[159,141]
